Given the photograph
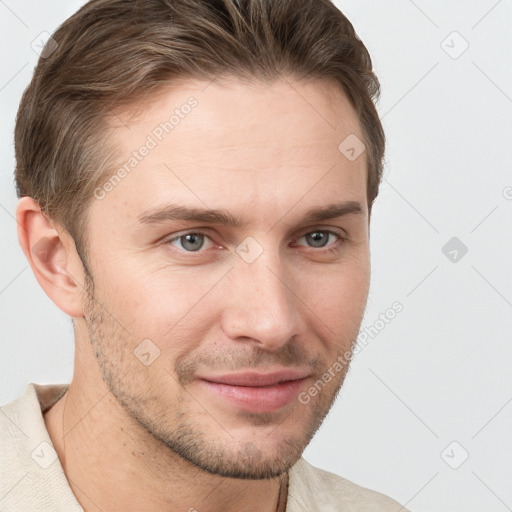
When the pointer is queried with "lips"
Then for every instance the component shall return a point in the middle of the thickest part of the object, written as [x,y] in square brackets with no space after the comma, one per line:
[254,379]
[256,392]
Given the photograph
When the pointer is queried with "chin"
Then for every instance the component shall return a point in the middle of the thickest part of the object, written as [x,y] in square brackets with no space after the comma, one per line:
[246,456]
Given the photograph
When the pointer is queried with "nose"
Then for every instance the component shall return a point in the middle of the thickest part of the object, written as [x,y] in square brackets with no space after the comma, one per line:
[261,306]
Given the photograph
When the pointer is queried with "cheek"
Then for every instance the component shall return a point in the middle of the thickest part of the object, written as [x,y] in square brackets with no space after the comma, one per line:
[169,306]
[338,297]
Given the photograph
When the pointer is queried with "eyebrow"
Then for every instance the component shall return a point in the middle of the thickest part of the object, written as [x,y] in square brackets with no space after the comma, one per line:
[223,217]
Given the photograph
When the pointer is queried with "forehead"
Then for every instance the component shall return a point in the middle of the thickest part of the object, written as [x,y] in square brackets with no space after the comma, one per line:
[237,144]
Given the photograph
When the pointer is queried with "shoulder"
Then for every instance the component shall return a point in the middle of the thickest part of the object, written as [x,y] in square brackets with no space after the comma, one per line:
[31,476]
[22,418]
[315,489]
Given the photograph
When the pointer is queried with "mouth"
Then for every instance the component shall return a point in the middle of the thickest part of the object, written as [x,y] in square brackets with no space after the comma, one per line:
[256,392]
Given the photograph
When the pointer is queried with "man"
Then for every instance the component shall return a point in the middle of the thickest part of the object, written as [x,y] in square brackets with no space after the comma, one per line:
[196,182]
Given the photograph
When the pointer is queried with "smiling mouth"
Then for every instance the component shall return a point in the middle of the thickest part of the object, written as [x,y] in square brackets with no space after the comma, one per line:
[256,392]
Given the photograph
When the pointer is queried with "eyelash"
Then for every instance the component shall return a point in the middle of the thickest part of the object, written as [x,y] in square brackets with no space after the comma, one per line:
[336,247]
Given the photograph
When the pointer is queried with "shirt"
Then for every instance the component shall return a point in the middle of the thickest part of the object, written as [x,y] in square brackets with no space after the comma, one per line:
[33,480]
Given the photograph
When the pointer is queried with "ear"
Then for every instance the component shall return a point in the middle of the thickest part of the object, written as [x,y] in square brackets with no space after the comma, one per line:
[52,256]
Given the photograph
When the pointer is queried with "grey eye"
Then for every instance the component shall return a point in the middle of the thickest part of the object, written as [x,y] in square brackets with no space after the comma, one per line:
[190,242]
[318,238]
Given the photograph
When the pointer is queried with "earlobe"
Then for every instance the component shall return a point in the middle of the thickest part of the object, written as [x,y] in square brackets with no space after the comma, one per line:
[52,257]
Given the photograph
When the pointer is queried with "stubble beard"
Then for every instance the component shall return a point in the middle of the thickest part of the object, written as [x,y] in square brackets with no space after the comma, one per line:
[180,431]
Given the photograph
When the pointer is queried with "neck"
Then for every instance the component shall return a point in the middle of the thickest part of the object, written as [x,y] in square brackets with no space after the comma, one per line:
[112,463]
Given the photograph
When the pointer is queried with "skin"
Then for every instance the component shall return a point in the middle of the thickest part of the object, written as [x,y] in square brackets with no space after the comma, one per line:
[142,437]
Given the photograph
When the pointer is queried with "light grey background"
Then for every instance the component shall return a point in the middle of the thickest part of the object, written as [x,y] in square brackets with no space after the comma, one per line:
[439,372]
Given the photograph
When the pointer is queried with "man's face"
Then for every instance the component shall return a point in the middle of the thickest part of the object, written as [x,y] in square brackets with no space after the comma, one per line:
[207,333]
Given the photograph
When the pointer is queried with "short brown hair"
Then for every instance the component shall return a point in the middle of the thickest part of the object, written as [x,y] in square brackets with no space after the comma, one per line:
[112,53]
